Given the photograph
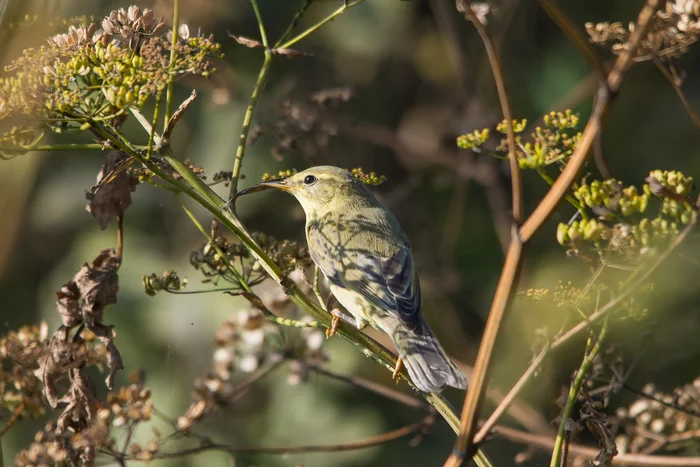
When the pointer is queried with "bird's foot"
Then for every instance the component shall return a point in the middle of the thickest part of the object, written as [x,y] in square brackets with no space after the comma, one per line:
[330,332]
[339,316]
[397,370]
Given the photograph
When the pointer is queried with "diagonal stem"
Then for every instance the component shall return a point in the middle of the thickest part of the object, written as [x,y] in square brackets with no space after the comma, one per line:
[173,56]
[247,120]
[261,25]
[318,25]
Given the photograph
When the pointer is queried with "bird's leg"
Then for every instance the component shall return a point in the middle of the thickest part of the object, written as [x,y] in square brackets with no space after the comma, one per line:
[397,370]
[340,316]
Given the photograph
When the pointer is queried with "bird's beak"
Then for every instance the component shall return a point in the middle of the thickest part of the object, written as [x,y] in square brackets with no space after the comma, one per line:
[279,184]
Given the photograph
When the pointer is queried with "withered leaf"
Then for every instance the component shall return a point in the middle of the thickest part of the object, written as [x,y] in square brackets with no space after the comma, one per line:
[290,53]
[98,284]
[112,195]
[246,41]
[597,424]
[68,304]
[106,334]
[50,363]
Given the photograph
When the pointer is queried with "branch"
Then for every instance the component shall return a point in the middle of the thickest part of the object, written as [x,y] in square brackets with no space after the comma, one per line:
[677,87]
[362,444]
[318,25]
[558,452]
[510,272]
[574,35]
[369,385]
[510,397]
[54,147]
[465,7]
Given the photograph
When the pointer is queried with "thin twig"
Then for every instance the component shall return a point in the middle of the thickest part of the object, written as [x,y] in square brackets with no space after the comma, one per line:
[12,420]
[638,460]
[217,248]
[676,87]
[247,120]
[574,35]
[55,147]
[405,399]
[152,134]
[510,397]
[242,389]
[318,25]
[293,24]
[499,78]
[565,428]
[261,25]
[173,56]
[365,443]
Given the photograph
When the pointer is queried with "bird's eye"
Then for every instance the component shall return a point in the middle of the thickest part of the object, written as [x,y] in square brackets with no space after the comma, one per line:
[309,180]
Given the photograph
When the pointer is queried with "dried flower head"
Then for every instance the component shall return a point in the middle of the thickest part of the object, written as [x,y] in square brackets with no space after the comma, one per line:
[168,281]
[672,31]
[84,76]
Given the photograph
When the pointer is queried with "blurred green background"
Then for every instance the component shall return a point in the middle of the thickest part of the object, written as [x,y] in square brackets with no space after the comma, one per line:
[420,78]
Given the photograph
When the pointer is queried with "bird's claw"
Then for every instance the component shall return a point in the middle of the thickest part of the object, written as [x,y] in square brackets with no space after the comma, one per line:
[397,370]
[330,332]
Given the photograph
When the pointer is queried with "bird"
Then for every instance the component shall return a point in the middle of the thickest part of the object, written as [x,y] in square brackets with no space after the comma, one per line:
[359,246]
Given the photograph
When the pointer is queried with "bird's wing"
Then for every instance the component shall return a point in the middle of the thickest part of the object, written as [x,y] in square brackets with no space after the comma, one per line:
[387,281]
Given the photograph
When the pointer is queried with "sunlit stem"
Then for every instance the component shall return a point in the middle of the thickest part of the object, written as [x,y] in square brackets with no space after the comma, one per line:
[173,55]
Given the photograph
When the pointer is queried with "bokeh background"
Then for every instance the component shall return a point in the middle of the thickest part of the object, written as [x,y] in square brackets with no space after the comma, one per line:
[419,79]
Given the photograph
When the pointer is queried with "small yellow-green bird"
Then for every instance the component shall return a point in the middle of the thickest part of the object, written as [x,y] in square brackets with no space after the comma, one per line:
[363,252]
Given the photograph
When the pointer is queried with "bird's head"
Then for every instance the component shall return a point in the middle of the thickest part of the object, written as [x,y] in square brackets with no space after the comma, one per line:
[319,189]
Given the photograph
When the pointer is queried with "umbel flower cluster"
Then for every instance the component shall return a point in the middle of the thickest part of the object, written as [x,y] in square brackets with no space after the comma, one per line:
[550,144]
[366,178]
[93,73]
[625,225]
[614,220]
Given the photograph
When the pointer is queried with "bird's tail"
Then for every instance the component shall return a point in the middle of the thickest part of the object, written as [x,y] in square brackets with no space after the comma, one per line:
[428,365]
